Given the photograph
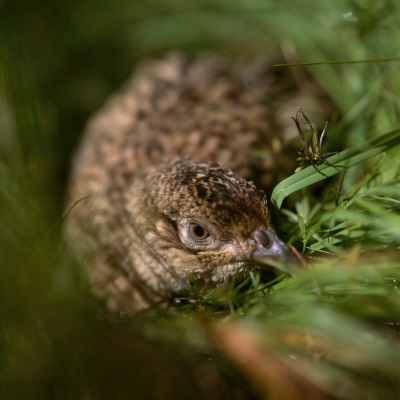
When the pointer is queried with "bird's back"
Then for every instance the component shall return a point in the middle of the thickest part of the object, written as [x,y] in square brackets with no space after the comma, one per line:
[206,108]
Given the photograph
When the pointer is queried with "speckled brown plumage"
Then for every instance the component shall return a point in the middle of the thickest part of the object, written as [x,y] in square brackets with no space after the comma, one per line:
[169,160]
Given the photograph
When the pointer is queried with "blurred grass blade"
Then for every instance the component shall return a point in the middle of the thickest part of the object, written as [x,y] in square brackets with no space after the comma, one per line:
[333,165]
[376,60]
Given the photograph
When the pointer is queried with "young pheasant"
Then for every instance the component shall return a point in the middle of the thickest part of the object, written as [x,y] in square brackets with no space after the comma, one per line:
[161,184]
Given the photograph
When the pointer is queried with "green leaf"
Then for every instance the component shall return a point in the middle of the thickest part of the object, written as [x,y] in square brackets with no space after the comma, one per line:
[376,60]
[333,165]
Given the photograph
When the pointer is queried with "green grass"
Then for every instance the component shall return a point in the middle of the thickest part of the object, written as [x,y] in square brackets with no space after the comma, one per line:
[334,165]
[330,330]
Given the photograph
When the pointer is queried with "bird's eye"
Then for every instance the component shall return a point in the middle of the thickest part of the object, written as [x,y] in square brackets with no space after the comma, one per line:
[194,235]
[197,232]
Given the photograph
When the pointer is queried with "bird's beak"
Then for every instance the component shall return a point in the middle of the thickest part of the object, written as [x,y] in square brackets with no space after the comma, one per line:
[273,252]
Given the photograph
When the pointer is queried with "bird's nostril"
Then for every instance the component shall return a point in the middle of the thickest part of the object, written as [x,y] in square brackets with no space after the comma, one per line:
[261,237]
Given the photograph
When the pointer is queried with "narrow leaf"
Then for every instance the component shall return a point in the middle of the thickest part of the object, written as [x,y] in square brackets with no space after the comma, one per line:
[333,165]
[376,60]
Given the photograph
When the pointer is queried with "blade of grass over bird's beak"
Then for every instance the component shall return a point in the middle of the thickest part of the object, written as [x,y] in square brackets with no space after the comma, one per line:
[333,165]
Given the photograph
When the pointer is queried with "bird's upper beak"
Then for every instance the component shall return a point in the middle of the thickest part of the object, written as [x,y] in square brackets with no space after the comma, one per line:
[272,251]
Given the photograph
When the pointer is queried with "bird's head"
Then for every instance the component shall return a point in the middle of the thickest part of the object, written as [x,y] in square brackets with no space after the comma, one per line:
[203,220]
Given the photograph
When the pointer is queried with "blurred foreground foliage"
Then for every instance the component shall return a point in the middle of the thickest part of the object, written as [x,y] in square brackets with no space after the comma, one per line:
[330,332]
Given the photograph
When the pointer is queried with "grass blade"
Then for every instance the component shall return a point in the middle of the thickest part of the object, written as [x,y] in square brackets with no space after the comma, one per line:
[333,165]
[376,60]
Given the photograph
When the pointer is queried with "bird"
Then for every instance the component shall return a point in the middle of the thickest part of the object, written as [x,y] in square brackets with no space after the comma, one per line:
[172,175]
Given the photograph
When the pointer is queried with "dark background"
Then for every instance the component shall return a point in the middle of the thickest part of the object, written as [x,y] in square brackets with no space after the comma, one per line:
[59,61]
